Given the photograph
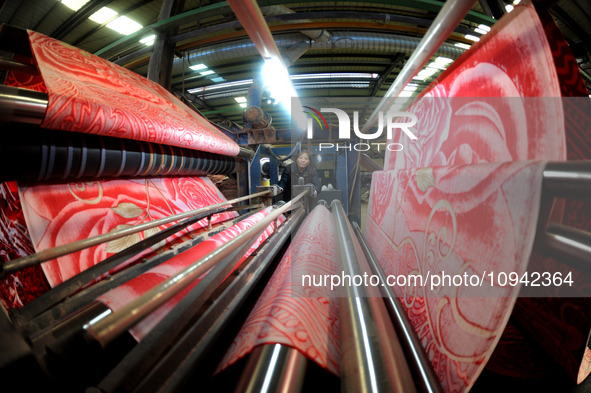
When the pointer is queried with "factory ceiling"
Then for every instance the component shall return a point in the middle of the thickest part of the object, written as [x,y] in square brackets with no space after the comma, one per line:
[335,48]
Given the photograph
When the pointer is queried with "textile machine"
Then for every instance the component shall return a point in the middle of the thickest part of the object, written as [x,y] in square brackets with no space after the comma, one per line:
[126,270]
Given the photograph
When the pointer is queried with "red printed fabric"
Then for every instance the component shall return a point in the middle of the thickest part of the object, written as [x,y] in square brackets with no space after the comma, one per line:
[19,288]
[307,321]
[25,80]
[58,214]
[456,127]
[91,95]
[118,297]
[456,220]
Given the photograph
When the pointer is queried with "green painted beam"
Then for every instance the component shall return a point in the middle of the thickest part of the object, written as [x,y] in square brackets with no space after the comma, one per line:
[165,24]
[426,5]
[217,8]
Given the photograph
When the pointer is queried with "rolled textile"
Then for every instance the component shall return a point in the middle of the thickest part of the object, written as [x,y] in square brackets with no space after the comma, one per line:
[444,222]
[58,214]
[91,95]
[307,318]
[132,289]
[34,154]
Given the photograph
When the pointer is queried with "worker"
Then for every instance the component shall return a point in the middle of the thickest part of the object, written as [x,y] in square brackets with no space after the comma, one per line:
[304,168]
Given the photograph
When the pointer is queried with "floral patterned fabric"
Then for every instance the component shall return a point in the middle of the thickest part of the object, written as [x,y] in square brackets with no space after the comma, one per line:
[134,288]
[89,94]
[463,196]
[63,213]
[309,321]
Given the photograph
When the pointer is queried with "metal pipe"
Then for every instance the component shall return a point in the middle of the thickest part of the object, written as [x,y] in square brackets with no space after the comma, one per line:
[424,375]
[451,14]
[82,298]
[372,359]
[21,105]
[246,153]
[106,329]
[273,368]
[568,179]
[250,16]
[341,42]
[193,340]
[69,248]
[11,65]
[570,242]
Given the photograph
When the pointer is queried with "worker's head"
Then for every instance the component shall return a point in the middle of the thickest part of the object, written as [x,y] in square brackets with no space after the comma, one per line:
[303,160]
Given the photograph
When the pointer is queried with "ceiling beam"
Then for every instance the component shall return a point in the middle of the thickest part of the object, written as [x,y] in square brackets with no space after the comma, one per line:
[79,16]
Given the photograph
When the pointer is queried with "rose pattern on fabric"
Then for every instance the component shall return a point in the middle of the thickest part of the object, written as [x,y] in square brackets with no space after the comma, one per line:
[62,213]
[456,204]
[125,293]
[91,95]
[305,318]
[459,326]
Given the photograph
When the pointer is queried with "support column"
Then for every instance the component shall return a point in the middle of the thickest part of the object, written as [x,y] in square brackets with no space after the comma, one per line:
[161,61]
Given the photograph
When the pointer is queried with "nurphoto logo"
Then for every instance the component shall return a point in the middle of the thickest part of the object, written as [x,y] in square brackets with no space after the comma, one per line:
[394,120]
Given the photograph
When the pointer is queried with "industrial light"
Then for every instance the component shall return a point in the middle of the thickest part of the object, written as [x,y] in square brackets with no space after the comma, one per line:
[74,5]
[485,27]
[203,89]
[337,75]
[405,93]
[443,60]
[480,31]
[218,79]
[276,79]
[207,72]
[439,66]
[516,2]
[410,87]
[103,15]
[124,25]
[462,45]
[198,67]
[243,105]
[472,37]
[149,40]
[509,8]
[240,99]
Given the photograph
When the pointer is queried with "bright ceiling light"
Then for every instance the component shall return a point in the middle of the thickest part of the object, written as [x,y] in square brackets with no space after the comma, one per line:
[218,79]
[149,40]
[480,31]
[74,5]
[405,93]
[439,66]
[198,67]
[124,25]
[443,60]
[509,7]
[462,45]
[208,72]
[276,79]
[243,105]
[103,15]
[240,99]
[472,37]
[484,27]
[516,2]
[410,87]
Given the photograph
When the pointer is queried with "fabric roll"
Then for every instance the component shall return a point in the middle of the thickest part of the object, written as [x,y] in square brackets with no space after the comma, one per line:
[118,297]
[91,95]
[306,320]
[40,155]
[58,214]
[487,107]
[19,288]
[466,219]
